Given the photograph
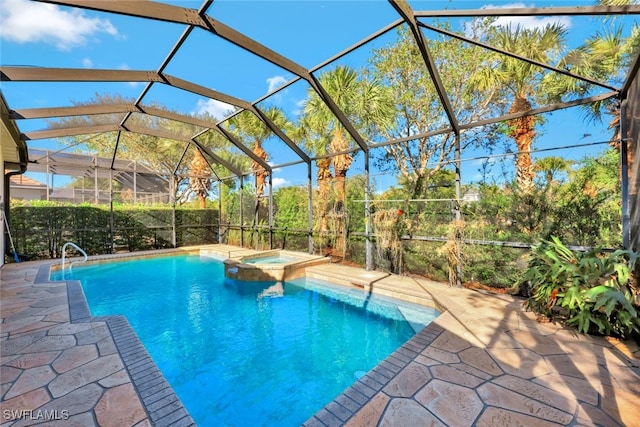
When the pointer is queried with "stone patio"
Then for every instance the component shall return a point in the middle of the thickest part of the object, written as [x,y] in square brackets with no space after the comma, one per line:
[62,367]
[486,362]
[483,362]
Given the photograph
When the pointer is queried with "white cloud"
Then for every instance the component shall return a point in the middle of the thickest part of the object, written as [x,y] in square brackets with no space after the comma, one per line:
[275,82]
[299,107]
[217,109]
[527,22]
[279,182]
[30,22]
[87,63]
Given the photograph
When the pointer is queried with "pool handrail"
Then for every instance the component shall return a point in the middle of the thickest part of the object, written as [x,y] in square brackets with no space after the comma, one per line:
[64,252]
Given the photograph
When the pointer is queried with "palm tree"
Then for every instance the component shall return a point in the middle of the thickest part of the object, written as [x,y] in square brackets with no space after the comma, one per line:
[316,143]
[605,57]
[369,107]
[550,167]
[200,178]
[253,131]
[523,81]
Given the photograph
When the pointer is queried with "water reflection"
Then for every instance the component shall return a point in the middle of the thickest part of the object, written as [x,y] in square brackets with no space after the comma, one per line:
[273,291]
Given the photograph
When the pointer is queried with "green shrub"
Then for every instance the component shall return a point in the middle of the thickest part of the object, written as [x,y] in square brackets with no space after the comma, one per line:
[589,290]
[495,266]
[40,228]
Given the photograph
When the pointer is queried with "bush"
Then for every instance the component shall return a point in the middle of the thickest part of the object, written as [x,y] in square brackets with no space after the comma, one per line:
[495,266]
[41,228]
[589,290]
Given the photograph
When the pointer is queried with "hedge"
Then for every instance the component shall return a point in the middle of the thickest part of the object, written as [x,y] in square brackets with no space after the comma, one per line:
[40,229]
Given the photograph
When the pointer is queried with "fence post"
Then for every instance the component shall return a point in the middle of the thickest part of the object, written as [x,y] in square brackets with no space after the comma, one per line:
[458,231]
[310,207]
[111,219]
[367,214]
[174,239]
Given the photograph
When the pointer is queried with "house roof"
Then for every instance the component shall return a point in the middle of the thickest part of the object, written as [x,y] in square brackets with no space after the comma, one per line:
[25,181]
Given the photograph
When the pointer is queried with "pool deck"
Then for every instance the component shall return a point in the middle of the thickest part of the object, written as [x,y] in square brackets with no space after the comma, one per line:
[484,361]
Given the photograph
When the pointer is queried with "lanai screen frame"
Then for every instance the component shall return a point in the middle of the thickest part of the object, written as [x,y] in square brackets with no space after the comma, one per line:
[193,18]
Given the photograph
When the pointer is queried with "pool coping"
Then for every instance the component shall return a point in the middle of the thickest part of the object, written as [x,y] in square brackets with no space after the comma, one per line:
[358,395]
[159,400]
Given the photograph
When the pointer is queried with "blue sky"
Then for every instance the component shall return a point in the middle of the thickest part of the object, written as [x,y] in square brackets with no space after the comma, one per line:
[307,32]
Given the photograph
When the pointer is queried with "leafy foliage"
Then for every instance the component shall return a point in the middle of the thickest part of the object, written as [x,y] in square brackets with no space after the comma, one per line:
[589,290]
[420,112]
[41,228]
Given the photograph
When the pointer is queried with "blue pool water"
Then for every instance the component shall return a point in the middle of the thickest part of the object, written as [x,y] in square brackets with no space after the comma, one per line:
[275,259]
[236,358]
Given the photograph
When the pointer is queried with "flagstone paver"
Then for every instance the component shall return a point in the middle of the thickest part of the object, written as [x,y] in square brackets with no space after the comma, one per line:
[454,404]
[115,401]
[74,357]
[493,417]
[483,362]
[31,379]
[406,412]
[408,381]
[59,372]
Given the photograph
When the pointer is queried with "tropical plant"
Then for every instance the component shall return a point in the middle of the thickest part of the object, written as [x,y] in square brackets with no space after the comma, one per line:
[389,226]
[290,204]
[550,167]
[200,178]
[253,131]
[367,105]
[605,56]
[522,80]
[589,290]
[587,209]
[401,66]
[452,251]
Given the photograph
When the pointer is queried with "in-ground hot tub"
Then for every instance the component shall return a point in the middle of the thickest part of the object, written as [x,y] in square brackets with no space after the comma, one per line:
[278,265]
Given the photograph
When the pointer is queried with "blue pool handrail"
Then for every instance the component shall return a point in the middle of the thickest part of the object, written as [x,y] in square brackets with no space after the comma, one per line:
[78,248]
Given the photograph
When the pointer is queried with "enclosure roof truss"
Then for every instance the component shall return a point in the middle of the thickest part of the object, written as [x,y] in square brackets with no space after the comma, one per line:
[199,18]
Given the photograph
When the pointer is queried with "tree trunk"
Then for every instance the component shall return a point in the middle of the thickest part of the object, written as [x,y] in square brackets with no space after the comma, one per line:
[260,174]
[341,164]
[522,130]
[340,211]
[324,178]
[199,179]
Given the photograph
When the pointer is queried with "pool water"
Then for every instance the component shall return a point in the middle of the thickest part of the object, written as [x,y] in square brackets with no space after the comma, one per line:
[237,355]
[275,259]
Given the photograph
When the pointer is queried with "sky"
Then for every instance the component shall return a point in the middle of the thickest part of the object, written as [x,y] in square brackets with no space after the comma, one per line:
[307,32]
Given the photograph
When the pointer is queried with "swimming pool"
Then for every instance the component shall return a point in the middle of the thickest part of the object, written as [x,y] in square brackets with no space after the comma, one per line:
[237,354]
